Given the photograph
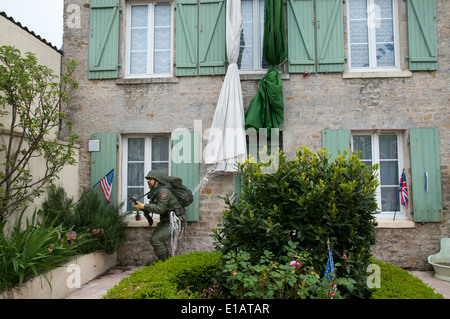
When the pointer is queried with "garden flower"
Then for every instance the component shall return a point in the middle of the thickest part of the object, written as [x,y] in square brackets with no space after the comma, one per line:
[344,256]
[72,235]
[95,232]
[295,264]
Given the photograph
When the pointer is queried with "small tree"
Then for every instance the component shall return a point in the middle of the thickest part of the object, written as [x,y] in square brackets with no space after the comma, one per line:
[31,97]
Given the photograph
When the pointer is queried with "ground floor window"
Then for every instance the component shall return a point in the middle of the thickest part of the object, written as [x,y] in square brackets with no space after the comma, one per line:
[140,155]
[386,150]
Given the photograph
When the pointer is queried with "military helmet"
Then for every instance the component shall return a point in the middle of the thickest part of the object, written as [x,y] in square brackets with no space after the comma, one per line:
[155,175]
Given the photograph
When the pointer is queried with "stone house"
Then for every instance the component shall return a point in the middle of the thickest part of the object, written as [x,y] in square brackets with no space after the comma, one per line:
[365,75]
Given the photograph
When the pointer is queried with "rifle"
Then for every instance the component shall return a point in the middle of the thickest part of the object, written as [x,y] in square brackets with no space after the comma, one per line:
[147,215]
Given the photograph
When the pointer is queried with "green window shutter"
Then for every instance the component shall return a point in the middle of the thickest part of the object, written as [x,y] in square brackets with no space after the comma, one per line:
[211,37]
[336,140]
[424,147]
[300,24]
[103,39]
[104,161]
[422,35]
[200,37]
[330,36]
[237,184]
[186,165]
[186,38]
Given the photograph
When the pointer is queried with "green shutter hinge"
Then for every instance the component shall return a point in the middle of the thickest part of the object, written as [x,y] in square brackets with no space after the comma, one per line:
[406,57]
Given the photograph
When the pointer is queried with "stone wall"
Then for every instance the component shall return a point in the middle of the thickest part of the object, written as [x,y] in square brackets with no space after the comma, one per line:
[313,103]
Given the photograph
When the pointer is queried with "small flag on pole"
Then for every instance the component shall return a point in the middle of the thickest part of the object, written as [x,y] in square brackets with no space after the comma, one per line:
[330,266]
[106,185]
[330,263]
[403,190]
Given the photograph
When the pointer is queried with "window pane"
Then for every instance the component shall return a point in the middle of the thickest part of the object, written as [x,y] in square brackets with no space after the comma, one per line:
[357,9]
[363,144]
[389,198]
[138,41]
[264,63]
[388,172]
[385,8]
[139,16]
[388,147]
[385,54]
[162,39]
[162,15]
[160,149]
[136,149]
[359,37]
[245,59]
[135,174]
[135,192]
[384,33]
[162,167]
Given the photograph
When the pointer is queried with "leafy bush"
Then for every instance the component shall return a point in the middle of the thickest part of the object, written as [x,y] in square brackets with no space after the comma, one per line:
[179,277]
[308,200]
[287,277]
[397,283]
[106,222]
[35,249]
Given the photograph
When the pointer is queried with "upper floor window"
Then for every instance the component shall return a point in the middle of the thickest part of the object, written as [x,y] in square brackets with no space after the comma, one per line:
[373,35]
[252,35]
[149,40]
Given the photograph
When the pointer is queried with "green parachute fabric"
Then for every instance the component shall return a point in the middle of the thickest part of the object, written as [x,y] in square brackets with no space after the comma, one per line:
[266,110]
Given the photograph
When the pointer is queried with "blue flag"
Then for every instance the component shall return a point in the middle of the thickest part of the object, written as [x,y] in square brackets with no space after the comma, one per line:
[330,266]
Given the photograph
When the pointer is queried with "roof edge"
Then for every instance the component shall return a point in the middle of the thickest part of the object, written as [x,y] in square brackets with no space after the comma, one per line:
[2,13]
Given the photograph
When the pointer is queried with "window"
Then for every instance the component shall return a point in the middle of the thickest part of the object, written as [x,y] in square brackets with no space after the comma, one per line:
[252,34]
[149,40]
[142,154]
[373,35]
[384,149]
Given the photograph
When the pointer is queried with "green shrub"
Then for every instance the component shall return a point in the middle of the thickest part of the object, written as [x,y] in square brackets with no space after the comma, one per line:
[33,249]
[307,200]
[104,221]
[179,277]
[287,277]
[397,283]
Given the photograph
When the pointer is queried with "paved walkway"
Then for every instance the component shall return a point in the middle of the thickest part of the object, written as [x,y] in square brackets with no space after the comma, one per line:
[97,288]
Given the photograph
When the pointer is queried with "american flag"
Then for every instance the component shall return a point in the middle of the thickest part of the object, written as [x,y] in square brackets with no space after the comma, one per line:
[106,185]
[403,190]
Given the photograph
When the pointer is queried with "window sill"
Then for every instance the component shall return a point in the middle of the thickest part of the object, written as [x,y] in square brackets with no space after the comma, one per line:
[399,223]
[143,223]
[372,75]
[146,81]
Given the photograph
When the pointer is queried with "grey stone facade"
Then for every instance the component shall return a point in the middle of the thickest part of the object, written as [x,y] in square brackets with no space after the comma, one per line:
[313,103]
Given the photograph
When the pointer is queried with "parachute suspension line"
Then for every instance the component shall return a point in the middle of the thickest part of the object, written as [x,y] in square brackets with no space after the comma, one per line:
[176,232]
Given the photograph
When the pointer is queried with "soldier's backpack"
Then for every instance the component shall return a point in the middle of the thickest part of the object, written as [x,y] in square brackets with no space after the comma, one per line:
[181,192]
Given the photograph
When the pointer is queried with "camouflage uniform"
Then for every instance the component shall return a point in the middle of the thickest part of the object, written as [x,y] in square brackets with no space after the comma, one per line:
[162,202]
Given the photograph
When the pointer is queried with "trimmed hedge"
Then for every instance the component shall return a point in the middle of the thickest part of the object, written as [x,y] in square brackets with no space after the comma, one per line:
[397,283]
[197,275]
[179,277]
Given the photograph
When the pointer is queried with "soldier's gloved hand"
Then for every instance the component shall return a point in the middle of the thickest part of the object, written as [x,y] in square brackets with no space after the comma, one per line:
[138,205]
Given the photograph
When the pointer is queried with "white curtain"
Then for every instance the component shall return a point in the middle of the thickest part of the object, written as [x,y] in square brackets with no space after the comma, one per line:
[226,143]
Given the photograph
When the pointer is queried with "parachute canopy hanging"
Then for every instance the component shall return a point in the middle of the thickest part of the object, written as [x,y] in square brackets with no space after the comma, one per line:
[266,110]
